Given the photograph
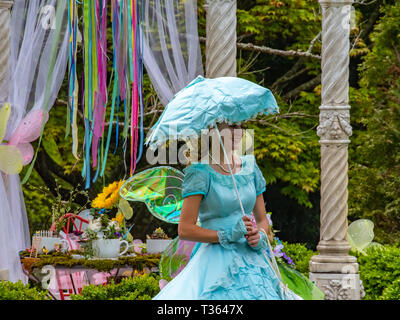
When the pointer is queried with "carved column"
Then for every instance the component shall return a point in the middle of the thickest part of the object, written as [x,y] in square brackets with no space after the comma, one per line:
[5,15]
[333,270]
[221,38]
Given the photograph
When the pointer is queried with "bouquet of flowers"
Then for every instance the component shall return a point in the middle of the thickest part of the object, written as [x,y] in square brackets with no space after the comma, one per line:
[279,254]
[277,248]
[102,227]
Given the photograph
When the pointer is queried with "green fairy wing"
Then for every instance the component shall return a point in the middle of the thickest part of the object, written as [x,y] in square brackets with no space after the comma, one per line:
[11,161]
[175,257]
[160,188]
[299,284]
[360,234]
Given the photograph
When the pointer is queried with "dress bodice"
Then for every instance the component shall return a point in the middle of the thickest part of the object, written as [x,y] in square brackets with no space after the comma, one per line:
[220,206]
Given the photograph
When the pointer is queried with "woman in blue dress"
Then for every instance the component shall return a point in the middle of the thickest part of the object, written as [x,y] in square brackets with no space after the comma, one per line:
[229,262]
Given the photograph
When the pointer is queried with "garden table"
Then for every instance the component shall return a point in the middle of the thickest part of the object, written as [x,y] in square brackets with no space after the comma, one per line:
[63,276]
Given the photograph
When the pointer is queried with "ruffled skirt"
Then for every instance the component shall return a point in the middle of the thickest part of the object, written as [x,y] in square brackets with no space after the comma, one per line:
[216,273]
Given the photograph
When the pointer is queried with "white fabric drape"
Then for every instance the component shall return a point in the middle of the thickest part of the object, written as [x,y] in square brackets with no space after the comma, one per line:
[34,26]
[32,29]
[171,49]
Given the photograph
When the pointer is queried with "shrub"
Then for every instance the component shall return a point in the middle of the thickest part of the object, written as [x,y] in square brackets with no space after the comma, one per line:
[392,292]
[379,269]
[142,287]
[19,291]
[300,255]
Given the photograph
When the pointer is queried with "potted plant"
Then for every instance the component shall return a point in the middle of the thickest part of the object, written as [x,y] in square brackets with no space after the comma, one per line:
[158,241]
[103,237]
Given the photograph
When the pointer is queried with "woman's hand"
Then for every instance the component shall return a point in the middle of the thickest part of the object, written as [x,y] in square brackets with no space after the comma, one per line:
[248,223]
[253,237]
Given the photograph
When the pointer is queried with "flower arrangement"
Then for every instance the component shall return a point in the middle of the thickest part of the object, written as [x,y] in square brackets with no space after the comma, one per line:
[278,246]
[109,214]
[108,200]
[100,227]
[279,254]
[104,227]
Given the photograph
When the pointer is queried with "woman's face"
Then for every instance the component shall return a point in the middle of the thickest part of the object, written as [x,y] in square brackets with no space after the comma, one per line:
[236,132]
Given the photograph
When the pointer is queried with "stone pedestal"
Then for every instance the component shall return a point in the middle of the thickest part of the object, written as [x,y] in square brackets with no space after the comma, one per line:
[339,286]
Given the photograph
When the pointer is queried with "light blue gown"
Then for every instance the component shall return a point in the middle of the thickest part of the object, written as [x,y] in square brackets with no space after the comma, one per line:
[214,272]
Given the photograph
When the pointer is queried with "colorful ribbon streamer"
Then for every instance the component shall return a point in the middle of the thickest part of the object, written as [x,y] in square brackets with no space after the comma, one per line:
[127,72]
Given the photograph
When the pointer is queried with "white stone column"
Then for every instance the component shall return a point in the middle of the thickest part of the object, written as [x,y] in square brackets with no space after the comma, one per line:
[333,270]
[5,16]
[221,38]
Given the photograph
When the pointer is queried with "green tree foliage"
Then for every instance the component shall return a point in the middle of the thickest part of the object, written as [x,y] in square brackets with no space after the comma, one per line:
[291,22]
[374,177]
[286,146]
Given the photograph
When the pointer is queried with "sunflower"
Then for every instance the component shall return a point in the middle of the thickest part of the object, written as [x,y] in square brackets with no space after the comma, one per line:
[109,197]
